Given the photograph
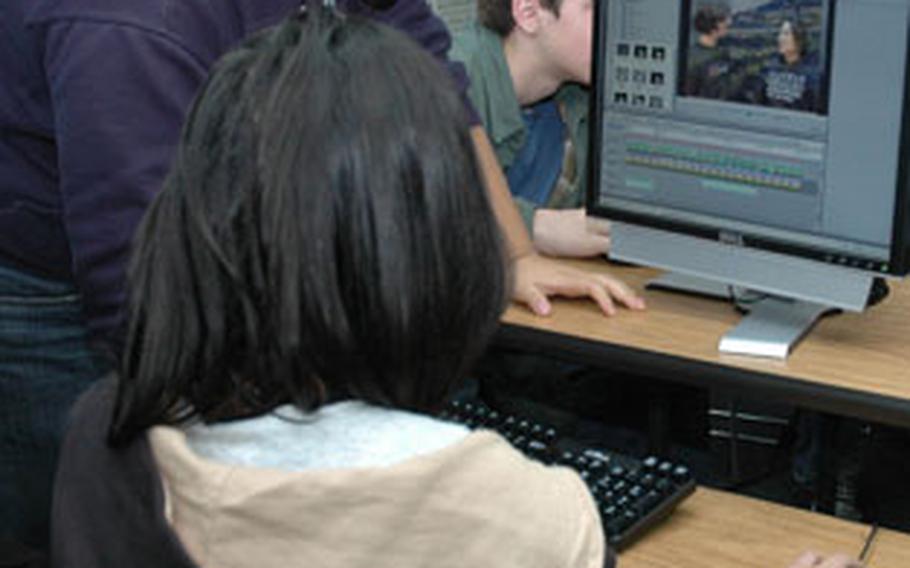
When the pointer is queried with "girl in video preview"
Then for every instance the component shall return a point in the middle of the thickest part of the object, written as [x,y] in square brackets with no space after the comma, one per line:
[791,79]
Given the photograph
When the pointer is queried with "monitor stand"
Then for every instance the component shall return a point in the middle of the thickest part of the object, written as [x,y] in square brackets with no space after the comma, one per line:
[772,326]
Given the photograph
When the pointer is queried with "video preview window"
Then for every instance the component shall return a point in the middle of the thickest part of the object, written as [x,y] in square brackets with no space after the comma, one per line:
[771,53]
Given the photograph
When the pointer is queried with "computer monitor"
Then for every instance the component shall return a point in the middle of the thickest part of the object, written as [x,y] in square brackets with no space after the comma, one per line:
[759,144]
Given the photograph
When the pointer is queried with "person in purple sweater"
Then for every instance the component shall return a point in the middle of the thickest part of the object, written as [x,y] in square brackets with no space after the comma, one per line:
[92,97]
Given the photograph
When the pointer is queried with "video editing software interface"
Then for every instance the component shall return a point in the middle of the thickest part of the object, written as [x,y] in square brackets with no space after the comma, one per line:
[779,120]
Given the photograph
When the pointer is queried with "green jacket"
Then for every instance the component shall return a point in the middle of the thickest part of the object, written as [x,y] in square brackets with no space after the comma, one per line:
[494,97]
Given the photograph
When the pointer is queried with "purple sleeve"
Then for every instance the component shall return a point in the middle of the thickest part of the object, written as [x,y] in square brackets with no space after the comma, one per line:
[417,19]
[119,95]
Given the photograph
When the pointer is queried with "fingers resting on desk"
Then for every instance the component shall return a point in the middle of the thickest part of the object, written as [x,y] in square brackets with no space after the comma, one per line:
[568,233]
[538,278]
[813,560]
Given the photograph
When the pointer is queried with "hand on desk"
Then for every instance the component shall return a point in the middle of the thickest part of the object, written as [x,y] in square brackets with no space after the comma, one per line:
[569,233]
[812,560]
[537,278]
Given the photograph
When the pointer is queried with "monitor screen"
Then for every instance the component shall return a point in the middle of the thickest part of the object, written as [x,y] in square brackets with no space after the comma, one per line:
[774,124]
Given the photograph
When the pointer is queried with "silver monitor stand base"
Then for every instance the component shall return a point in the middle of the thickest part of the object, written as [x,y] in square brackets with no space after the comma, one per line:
[772,326]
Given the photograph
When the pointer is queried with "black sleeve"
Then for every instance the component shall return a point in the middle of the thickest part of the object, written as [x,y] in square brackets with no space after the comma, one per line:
[609,558]
[108,505]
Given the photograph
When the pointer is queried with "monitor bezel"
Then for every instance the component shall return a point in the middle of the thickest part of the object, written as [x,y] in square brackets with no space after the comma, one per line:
[898,263]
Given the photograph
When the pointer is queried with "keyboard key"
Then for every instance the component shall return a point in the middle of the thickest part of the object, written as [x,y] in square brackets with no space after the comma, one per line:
[680,473]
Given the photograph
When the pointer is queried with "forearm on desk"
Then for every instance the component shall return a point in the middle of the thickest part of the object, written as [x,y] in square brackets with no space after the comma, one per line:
[513,227]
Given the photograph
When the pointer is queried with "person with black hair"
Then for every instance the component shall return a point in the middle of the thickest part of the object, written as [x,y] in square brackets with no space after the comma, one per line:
[306,292]
[91,103]
[90,117]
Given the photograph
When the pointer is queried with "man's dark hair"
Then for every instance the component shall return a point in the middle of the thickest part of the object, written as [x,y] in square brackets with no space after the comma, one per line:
[709,16]
[496,15]
[323,234]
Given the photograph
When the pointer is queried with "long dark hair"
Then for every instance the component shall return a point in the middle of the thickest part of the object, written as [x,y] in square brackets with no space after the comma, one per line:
[324,233]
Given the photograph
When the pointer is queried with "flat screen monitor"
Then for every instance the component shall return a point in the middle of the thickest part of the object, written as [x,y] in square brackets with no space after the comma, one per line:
[759,144]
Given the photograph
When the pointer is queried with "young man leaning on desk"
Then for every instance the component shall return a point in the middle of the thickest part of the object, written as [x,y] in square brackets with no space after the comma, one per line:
[529,61]
[529,65]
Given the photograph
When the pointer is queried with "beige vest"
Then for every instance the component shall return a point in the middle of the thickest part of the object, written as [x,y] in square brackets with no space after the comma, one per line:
[477,503]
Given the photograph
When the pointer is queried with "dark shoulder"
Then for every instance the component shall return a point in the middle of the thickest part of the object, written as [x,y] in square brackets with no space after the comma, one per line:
[108,504]
[205,28]
[149,14]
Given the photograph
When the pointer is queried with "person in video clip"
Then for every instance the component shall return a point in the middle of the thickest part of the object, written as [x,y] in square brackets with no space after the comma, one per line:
[711,72]
[792,78]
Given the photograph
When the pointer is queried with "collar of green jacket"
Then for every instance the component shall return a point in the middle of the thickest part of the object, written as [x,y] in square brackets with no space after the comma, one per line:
[494,97]
[491,88]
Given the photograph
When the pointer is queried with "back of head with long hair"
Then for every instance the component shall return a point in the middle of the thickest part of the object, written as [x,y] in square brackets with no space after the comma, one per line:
[324,234]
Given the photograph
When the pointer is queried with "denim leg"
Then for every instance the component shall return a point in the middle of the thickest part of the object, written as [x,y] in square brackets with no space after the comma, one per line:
[45,363]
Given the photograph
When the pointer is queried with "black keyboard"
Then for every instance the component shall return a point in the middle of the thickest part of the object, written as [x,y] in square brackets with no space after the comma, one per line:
[632,494]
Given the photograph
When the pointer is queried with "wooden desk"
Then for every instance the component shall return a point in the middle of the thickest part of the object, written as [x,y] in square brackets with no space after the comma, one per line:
[890,548]
[849,364]
[717,529]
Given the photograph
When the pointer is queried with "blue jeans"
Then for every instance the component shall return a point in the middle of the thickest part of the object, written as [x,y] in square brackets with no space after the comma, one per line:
[45,363]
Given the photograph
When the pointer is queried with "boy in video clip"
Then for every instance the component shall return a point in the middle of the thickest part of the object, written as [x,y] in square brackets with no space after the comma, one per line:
[527,61]
[711,72]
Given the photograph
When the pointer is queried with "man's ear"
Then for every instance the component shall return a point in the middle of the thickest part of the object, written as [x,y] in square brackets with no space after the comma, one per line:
[526,14]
